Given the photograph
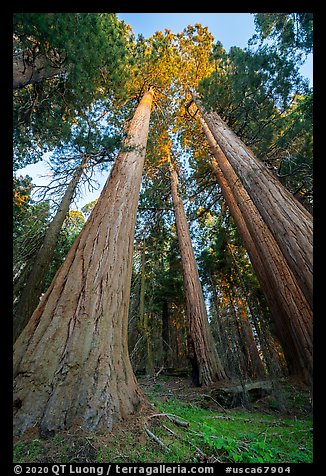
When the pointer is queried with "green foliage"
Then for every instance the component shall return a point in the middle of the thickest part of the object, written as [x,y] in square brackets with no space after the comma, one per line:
[292,152]
[195,46]
[22,187]
[30,221]
[243,437]
[85,42]
[237,306]
[92,51]
[156,60]
[95,137]
[27,452]
[290,31]
[250,86]
[216,259]
[164,279]
[262,97]
[71,228]
[289,444]
[87,209]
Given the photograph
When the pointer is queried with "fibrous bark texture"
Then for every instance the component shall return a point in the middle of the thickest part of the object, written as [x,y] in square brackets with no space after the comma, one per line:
[201,346]
[71,362]
[288,221]
[34,285]
[290,309]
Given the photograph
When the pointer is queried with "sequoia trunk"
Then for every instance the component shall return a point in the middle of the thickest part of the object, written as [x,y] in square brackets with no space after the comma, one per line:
[166,333]
[201,346]
[31,293]
[71,362]
[255,364]
[290,309]
[145,318]
[288,221]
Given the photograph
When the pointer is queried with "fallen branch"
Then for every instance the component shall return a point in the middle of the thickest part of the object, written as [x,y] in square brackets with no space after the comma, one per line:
[170,431]
[222,417]
[217,403]
[199,451]
[157,440]
[177,422]
[202,455]
[158,373]
[172,418]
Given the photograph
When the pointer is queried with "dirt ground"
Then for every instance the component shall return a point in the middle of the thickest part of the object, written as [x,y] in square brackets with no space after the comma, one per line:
[181,388]
[76,446]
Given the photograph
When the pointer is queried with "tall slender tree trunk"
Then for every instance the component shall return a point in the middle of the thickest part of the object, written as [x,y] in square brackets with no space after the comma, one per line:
[144,319]
[201,346]
[244,309]
[233,352]
[288,221]
[220,334]
[142,288]
[257,324]
[71,362]
[31,293]
[149,363]
[255,363]
[166,332]
[291,311]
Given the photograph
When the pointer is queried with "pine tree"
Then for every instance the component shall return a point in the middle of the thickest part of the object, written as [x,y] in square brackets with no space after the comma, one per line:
[33,288]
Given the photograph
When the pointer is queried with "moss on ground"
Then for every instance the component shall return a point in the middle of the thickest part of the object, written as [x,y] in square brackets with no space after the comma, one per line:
[271,431]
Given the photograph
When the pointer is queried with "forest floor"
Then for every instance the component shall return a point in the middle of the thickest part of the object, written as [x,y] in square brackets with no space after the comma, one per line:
[191,426]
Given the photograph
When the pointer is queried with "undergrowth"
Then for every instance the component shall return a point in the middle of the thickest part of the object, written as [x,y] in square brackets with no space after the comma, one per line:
[238,435]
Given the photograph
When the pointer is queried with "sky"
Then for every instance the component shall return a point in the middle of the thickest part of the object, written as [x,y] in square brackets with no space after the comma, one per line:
[231,29]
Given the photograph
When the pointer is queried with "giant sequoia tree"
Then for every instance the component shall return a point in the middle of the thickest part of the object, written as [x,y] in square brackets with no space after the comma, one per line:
[206,364]
[71,362]
[289,222]
[290,308]
[72,165]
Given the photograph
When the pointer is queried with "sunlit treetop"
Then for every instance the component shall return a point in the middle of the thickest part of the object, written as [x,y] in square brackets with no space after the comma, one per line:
[195,45]
[22,187]
[155,64]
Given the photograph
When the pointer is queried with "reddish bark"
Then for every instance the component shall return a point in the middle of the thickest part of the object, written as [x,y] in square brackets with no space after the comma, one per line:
[290,309]
[201,346]
[288,221]
[71,362]
[32,291]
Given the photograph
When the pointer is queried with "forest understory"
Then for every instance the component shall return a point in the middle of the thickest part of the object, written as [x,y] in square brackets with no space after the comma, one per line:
[187,425]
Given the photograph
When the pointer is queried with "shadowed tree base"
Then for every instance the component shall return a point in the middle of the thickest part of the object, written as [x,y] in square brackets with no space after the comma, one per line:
[71,362]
